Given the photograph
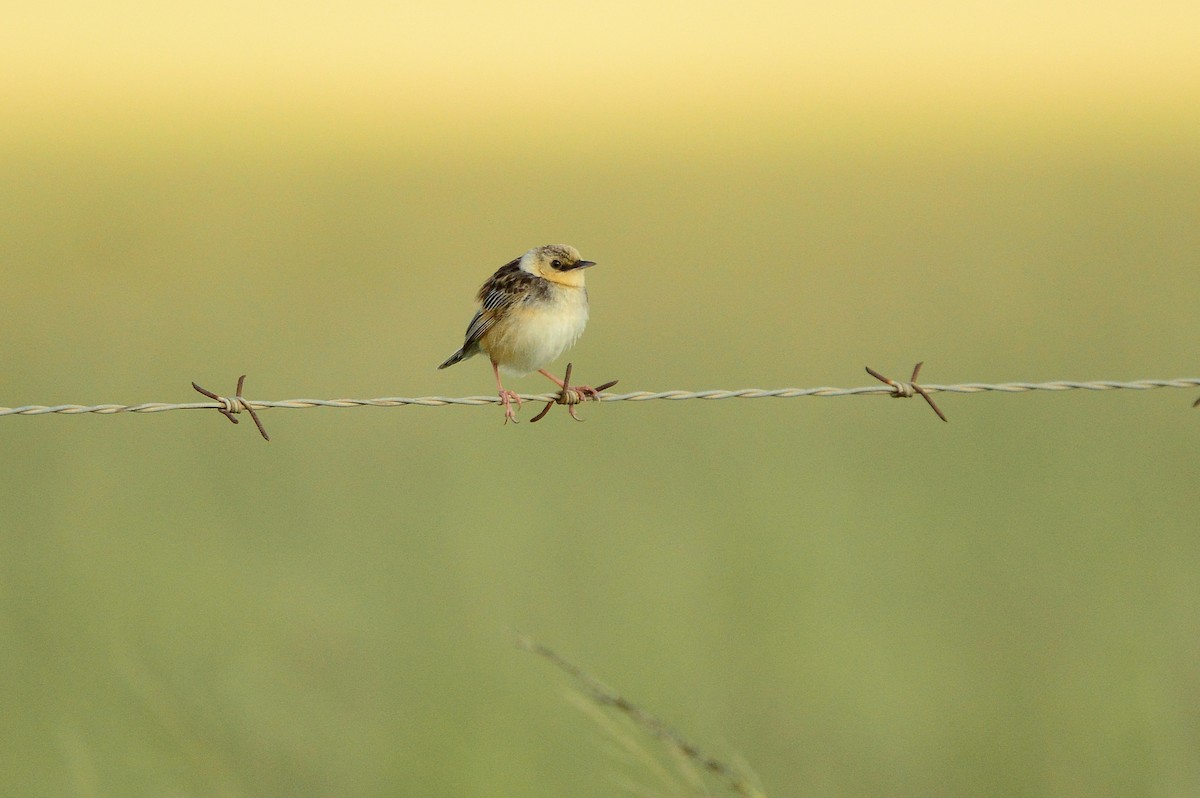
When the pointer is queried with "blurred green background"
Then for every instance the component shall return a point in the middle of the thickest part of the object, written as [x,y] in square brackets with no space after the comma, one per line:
[853,597]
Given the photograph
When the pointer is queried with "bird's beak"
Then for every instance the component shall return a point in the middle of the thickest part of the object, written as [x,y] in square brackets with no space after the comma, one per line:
[583,264]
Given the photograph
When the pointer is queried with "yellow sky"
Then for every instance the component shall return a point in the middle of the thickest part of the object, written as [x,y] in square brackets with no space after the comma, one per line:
[580,59]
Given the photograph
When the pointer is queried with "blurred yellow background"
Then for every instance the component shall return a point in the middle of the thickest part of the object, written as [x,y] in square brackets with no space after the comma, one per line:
[847,594]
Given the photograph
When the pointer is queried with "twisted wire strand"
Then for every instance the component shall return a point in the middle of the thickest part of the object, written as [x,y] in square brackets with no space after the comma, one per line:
[636,396]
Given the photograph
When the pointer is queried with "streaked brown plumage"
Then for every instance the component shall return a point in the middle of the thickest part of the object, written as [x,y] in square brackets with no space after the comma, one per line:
[531,311]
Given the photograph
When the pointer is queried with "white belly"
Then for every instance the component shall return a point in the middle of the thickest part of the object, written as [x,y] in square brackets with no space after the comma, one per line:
[536,334]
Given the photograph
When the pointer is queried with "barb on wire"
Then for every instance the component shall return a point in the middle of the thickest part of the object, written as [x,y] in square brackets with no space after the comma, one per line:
[229,405]
[572,396]
[906,390]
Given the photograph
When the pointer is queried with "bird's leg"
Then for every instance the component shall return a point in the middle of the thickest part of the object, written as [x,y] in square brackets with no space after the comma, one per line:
[570,395]
[586,391]
[551,377]
[506,397]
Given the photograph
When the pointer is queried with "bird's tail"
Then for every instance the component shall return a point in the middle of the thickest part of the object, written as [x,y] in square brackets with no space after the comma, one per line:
[457,357]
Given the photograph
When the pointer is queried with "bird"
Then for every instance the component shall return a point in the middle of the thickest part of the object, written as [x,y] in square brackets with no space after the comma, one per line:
[532,310]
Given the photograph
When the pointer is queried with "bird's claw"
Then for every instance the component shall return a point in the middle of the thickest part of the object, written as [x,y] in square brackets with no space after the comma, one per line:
[506,399]
[571,395]
[585,392]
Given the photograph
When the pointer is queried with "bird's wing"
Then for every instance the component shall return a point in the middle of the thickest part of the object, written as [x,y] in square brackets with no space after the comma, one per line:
[507,287]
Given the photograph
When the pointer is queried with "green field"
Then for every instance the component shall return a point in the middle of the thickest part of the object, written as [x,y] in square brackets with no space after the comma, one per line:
[846,594]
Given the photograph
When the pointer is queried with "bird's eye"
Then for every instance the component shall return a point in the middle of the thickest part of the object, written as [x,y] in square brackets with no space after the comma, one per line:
[556,263]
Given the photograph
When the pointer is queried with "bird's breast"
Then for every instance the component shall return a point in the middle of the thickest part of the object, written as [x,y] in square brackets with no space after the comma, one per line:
[535,332]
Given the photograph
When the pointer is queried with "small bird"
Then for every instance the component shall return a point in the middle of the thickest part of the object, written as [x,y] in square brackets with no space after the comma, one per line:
[531,311]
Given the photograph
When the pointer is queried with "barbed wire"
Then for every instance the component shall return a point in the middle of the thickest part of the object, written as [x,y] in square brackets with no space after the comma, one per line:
[229,406]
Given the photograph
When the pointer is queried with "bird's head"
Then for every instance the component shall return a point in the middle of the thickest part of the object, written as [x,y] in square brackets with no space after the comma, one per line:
[557,263]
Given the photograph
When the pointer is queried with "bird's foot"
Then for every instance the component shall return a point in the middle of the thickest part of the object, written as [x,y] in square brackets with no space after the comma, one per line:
[586,392]
[571,395]
[506,399]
